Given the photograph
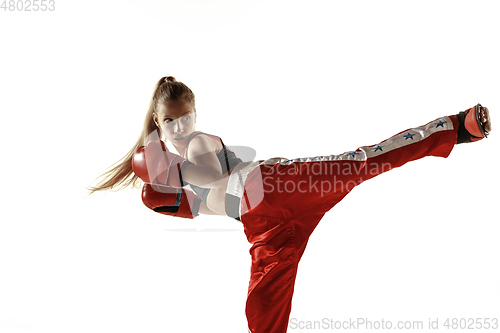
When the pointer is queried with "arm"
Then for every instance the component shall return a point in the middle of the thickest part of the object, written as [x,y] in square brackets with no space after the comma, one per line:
[171,201]
[177,202]
[205,170]
[155,164]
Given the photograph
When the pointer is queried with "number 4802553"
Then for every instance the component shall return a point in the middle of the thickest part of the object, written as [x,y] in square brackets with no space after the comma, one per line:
[28,5]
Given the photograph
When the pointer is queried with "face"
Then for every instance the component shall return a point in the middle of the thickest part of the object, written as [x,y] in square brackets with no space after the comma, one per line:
[177,120]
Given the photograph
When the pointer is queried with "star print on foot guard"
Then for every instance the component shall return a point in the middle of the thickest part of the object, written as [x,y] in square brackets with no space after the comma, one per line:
[440,124]
[353,153]
[409,136]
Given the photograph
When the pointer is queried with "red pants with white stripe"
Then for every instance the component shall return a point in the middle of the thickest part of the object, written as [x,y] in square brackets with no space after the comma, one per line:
[293,195]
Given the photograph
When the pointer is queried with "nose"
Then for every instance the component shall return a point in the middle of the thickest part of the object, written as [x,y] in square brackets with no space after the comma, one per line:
[178,126]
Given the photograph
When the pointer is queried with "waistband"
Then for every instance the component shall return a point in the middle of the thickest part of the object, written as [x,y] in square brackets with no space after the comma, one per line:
[236,187]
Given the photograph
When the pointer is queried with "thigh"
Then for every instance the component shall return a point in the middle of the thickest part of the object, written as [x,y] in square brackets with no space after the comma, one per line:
[287,190]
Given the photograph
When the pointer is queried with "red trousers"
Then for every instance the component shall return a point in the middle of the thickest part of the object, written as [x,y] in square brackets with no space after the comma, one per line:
[284,200]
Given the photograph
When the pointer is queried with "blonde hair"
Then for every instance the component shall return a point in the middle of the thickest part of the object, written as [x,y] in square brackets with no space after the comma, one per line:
[121,175]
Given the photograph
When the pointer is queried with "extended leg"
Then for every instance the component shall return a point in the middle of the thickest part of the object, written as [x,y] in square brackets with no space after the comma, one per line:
[295,186]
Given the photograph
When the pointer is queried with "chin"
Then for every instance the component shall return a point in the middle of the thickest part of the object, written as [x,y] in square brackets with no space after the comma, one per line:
[179,144]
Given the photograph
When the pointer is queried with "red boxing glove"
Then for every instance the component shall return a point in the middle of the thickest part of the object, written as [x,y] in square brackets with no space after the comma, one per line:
[171,201]
[470,127]
[156,165]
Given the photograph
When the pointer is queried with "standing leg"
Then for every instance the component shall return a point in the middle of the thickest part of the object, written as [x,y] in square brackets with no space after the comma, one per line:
[277,248]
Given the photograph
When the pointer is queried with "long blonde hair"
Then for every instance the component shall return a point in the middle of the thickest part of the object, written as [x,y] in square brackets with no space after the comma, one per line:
[121,175]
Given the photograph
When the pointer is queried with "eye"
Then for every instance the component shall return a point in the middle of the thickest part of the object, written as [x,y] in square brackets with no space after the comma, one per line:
[167,120]
[185,118]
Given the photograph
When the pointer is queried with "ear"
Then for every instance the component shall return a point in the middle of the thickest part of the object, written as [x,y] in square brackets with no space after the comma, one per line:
[155,119]
[160,132]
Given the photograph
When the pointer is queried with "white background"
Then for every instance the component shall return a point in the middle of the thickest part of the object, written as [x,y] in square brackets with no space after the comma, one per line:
[288,78]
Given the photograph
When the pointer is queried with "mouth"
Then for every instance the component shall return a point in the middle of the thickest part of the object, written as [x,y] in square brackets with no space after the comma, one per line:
[178,139]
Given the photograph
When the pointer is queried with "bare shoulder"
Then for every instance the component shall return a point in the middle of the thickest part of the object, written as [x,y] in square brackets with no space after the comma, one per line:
[203,144]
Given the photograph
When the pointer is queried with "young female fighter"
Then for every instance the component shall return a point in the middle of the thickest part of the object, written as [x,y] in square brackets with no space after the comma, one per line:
[279,201]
